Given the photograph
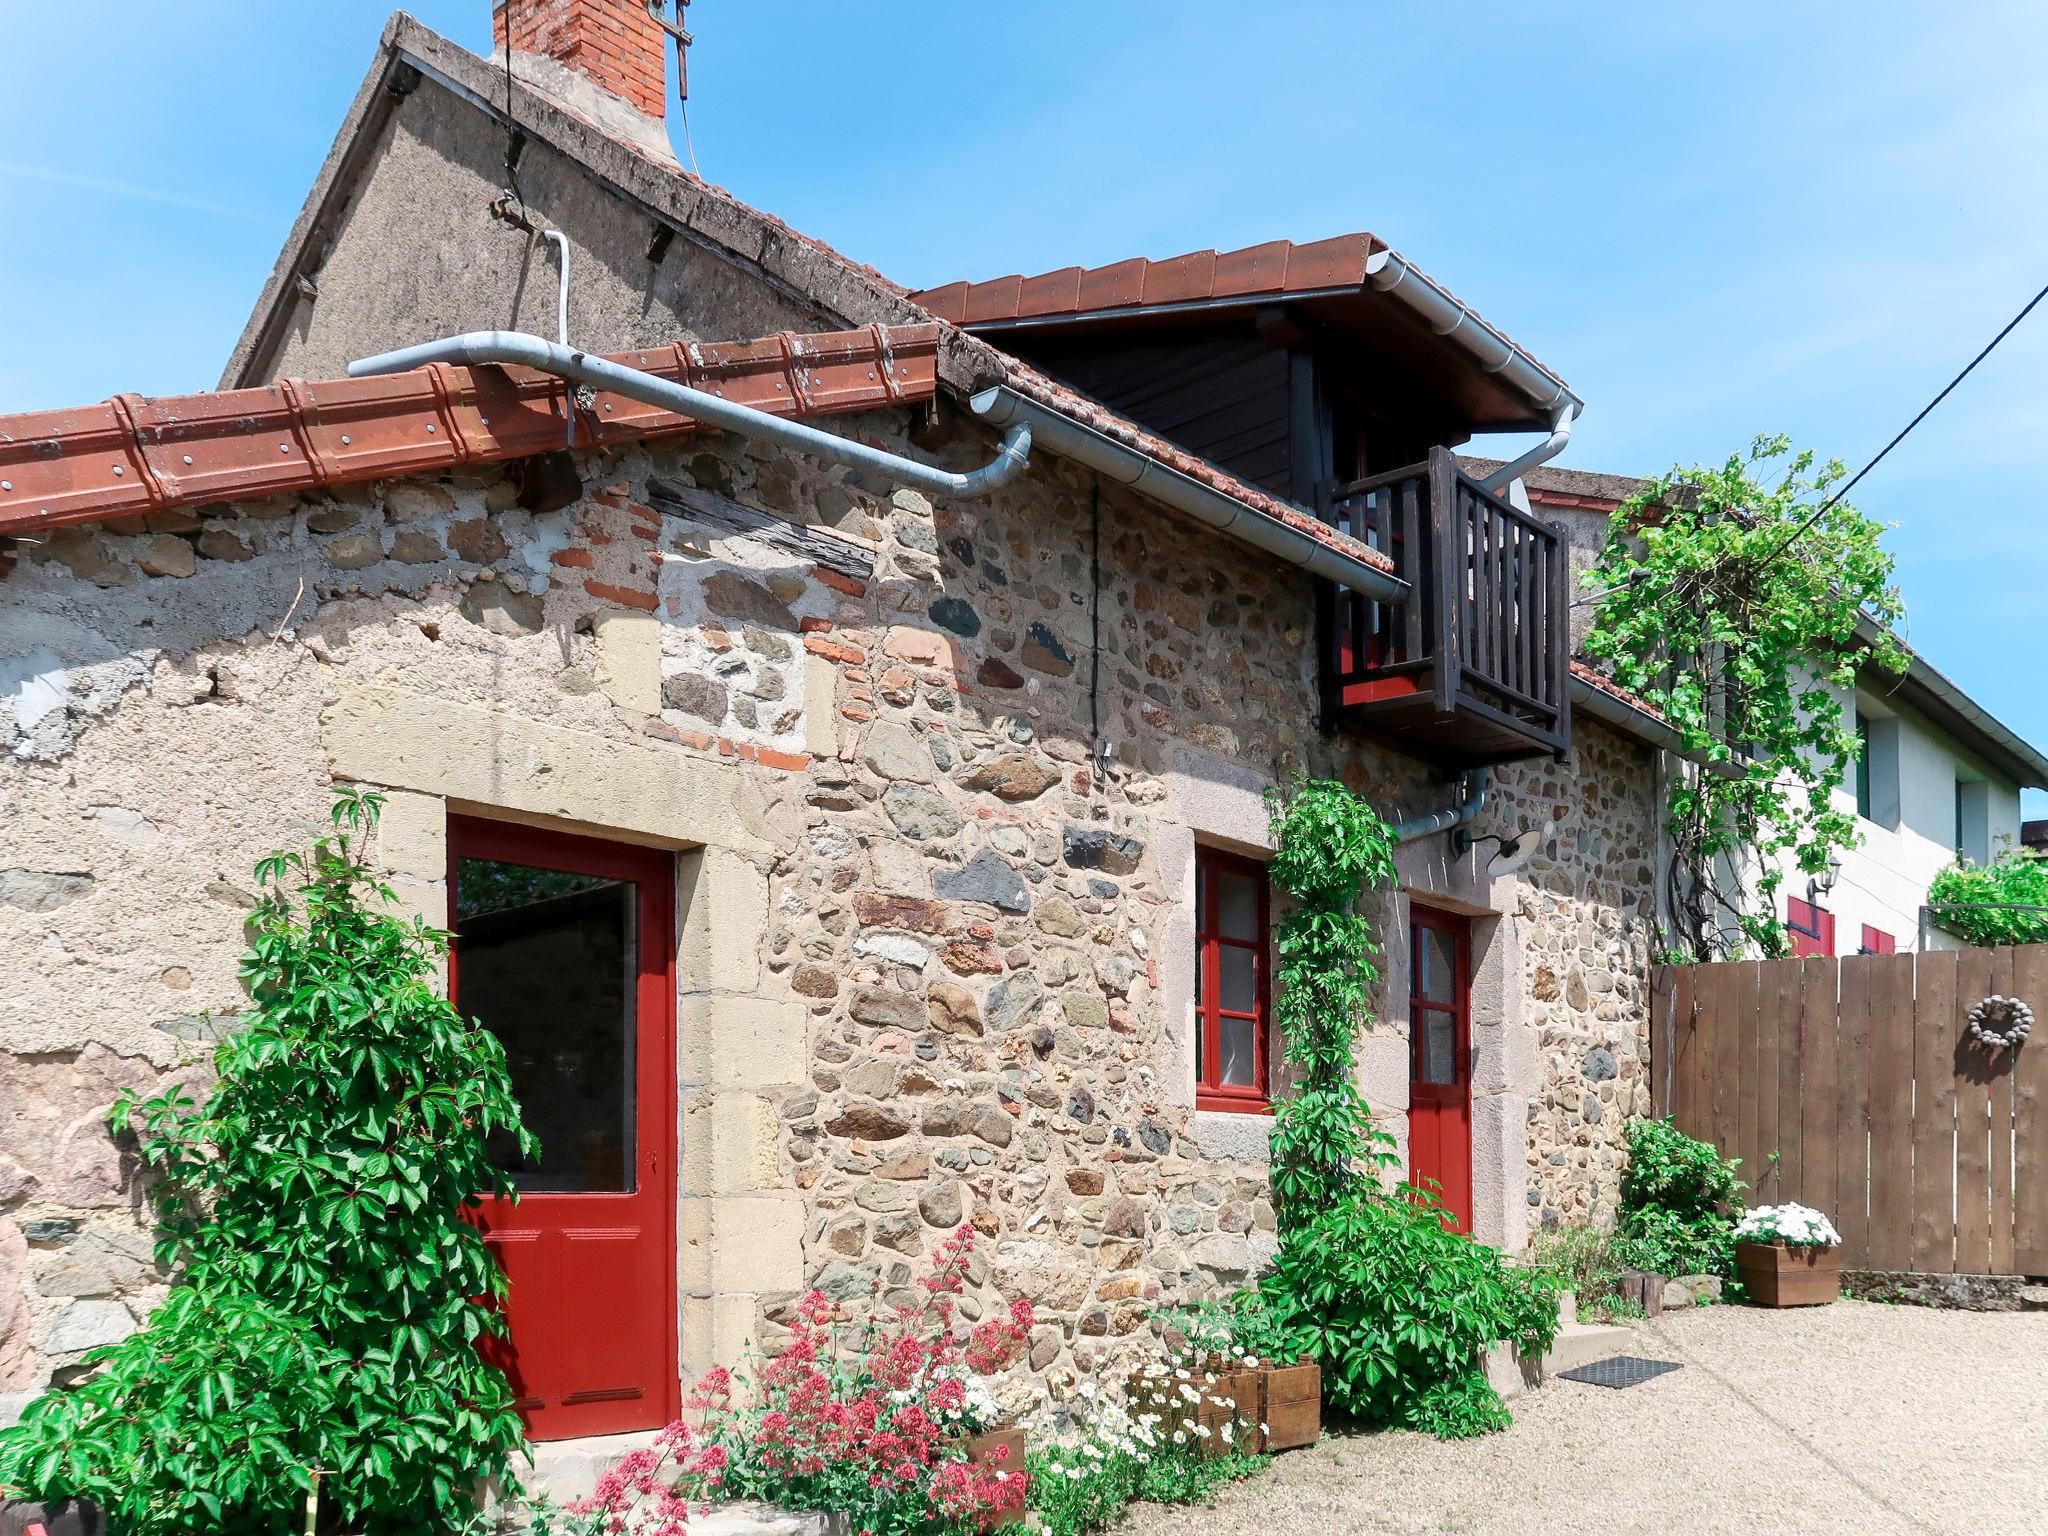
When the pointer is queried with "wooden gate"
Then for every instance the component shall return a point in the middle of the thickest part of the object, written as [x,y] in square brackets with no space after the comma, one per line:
[1851,1084]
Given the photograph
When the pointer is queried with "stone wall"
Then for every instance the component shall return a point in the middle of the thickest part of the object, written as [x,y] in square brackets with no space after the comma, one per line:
[936,948]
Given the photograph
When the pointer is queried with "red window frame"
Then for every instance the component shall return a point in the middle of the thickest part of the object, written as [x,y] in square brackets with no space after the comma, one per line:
[1211,1092]
[1877,942]
[1812,929]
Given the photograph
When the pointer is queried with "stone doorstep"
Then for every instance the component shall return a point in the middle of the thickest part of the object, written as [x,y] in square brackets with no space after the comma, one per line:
[568,1470]
[1576,1344]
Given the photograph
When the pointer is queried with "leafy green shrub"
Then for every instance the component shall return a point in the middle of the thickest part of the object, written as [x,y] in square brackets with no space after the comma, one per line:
[1676,1195]
[1329,848]
[2016,878]
[327,1315]
[1399,1310]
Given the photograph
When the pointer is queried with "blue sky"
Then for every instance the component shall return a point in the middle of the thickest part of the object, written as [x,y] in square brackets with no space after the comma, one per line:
[1713,220]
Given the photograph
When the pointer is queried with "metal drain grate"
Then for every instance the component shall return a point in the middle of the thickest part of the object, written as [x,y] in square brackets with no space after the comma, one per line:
[1620,1371]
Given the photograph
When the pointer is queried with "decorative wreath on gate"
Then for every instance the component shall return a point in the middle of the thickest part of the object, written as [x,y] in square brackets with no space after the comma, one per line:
[2001,1022]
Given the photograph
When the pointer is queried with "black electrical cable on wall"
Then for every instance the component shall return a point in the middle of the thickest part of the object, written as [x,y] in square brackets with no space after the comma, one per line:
[1095,627]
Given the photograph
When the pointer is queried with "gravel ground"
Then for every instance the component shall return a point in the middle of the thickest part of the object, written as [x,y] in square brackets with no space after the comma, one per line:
[1845,1418]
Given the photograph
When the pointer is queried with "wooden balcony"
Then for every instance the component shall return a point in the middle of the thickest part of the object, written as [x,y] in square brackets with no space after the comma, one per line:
[1475,666]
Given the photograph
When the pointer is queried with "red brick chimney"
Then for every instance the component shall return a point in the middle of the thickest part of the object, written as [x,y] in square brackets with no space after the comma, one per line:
[615,43]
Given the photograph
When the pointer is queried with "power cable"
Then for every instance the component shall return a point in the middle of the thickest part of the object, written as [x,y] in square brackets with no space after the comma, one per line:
[1925,411]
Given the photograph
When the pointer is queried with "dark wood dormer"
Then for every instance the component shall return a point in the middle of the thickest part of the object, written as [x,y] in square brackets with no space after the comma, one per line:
[1286,366]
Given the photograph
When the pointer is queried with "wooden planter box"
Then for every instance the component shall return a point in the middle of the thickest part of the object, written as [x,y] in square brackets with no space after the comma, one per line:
[1291,1405]
[1236,1398]
[1000,1450]
[1777,1276]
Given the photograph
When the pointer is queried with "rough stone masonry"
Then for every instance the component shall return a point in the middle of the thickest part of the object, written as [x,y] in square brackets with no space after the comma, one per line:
[937,966]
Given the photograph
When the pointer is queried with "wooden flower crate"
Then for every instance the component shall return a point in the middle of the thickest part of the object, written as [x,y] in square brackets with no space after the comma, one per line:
[1777,1276]
[1000,1450]
[1291,1405]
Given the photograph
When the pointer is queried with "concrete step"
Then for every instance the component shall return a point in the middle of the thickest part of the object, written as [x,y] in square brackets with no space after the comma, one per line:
[1576,1344]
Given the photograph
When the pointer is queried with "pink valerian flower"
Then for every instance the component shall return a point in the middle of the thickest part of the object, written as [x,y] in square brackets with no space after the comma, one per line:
[640,1494]
[870,1407]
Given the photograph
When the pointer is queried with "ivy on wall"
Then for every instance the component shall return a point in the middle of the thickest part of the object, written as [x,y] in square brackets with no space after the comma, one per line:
[1729,598]
[1330,847]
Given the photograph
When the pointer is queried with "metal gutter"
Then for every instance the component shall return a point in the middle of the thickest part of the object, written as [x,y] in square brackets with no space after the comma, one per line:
[1391,273]
[519,349]
[1002,406]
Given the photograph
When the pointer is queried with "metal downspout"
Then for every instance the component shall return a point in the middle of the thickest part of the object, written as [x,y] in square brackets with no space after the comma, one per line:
[1472,792]
[1542,453]
[527,351]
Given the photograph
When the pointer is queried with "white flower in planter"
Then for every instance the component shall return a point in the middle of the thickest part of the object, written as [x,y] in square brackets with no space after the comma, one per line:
[1794,1225]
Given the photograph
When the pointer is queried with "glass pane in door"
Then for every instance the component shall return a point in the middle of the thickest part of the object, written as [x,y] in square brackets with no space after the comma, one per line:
[1439,1046]
[1436,965]
[545,960]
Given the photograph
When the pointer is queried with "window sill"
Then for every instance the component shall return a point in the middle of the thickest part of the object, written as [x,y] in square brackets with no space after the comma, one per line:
[1224,1104]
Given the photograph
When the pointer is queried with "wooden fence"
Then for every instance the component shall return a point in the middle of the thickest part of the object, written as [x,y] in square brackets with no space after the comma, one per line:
[1852,1085]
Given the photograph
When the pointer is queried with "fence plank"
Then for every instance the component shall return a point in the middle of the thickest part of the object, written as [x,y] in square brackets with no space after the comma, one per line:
[2030,1118]
[1970,1083]
[1743,1136]
[1779,983]
[1777,992]
[1683,1103]
[1719,1035]
[1818,1108]
[1852,1110]
[1663,1036]
[1934,1120]
[2002,982]
[1891,1112]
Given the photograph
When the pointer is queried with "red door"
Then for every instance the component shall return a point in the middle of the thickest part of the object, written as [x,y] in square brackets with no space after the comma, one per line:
[564,949]
[1440,1059]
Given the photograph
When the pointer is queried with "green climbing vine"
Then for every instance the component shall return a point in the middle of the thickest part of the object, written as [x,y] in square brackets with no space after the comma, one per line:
[1330,847]
[1729,598]
[1373,1280]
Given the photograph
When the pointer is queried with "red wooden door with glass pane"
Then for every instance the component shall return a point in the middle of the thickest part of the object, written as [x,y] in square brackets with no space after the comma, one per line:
[564,949]
[1231,985]
[1440,1058]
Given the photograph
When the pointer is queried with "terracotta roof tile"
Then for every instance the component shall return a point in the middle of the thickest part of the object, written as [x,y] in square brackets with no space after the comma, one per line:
[129,454]
[1586,673]
[1278,267]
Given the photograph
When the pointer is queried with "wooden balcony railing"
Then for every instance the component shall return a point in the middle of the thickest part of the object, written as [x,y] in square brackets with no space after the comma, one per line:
[1475,666]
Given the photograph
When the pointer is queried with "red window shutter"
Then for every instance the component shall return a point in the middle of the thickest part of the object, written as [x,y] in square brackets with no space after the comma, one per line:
[1877,942]
[1811,929]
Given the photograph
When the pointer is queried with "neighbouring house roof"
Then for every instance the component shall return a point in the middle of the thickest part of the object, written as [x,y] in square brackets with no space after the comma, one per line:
[1923,687]
[1331,281]
[132,455]
[841,291]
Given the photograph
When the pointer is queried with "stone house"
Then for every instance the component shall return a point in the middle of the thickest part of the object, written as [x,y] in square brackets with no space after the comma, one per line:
[839,860]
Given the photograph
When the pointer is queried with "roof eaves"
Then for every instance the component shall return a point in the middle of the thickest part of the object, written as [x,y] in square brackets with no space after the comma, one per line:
[131,455]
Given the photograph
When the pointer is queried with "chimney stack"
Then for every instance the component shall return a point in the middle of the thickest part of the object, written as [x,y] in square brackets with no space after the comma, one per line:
[616,44]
